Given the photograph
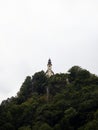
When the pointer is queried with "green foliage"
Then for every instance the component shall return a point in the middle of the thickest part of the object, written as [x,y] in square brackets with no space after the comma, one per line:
[71,105]
[25,90]
[45,127]
[39,82]
[7,126]
[77,73]
[25,128]
[69,113]
[57,127]
[92,125]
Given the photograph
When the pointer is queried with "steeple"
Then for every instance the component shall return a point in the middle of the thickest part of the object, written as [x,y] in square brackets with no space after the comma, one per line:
[49,71]
[49,62]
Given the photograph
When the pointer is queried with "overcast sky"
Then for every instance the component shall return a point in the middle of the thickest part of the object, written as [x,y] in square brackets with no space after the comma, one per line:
[31,31]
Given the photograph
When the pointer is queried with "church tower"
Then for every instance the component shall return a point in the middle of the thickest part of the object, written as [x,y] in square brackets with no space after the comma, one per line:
[49,71]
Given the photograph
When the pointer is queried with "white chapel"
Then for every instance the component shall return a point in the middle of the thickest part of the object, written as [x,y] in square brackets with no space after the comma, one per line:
[49,71]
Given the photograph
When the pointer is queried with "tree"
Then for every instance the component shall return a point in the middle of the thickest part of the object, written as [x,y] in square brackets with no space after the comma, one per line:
[45,127]
[39,82]
[8,126]
[25,90]
[72,106]
[77,72]
[24,128]
[93,125]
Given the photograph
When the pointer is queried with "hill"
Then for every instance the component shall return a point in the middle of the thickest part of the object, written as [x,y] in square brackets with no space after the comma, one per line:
[66,101]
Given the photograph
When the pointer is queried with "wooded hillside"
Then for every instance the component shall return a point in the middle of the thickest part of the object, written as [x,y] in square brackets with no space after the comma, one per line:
[66,101]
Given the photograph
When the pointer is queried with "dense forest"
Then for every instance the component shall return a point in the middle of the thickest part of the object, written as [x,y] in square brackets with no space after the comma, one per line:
[65,101]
